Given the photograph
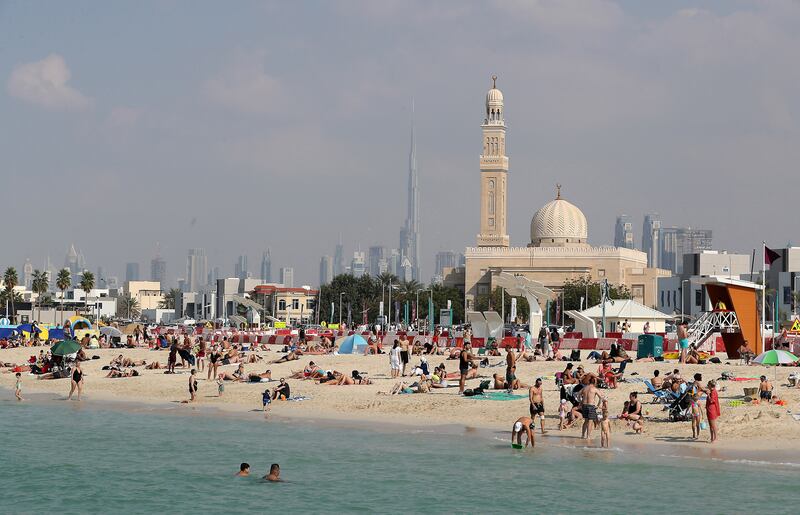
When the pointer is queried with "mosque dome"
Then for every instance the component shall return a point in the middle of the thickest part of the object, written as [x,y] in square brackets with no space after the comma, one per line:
[559,224]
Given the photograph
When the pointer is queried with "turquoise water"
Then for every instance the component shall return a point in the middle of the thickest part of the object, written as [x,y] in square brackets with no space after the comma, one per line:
[79,458]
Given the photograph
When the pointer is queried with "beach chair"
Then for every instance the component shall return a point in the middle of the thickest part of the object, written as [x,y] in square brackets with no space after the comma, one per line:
[659,396]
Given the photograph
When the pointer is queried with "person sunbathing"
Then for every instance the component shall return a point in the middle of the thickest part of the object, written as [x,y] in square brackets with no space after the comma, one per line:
[343,380]
[122,373]
[256,378]
[290,356]
[232,356]
[472,373]
[253,358]
[500,383]
[238,375]
[454,353]
[418,387]
[692,358]
[155,365]
[312,371]
[123,362]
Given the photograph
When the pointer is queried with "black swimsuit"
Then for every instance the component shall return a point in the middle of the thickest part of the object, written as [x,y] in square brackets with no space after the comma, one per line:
[77,376]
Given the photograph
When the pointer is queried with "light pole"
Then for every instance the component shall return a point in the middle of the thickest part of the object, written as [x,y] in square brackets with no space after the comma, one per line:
[390,304]
[794,299]
[682,298]
[340,309]
[431,303]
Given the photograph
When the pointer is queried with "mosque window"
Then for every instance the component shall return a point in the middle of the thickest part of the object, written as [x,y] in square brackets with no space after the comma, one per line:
[601,272]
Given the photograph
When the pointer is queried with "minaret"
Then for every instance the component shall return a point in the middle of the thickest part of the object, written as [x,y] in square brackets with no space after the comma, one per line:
[410,248]
[494,173]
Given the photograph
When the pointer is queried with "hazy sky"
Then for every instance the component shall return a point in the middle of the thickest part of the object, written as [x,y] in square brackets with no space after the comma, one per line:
[237,126]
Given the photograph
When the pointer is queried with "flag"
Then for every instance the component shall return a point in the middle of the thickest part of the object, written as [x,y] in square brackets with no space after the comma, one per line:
[770,256]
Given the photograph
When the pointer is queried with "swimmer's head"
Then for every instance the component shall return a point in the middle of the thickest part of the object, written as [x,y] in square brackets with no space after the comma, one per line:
[244,467]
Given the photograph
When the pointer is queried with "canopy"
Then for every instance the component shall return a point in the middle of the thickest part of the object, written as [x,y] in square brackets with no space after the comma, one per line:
[775,357]
[65,348]
[348,344]
[111,332]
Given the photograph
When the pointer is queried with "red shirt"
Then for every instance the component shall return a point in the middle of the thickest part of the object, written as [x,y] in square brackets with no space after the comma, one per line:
[712,405]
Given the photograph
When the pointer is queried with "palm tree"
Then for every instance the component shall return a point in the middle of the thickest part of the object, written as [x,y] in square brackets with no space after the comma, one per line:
[87,285]
[128,307]
[63,281]
[11,280]
[170,299]
[39,285]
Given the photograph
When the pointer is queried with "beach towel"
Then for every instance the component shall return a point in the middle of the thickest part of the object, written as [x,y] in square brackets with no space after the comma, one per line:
[499,396]
[298,398]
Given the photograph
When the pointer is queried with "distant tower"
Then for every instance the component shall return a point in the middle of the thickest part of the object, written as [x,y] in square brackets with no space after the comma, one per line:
[651,239]
[196,270]
[131,272]
[158,270]
[27,274]
[325,270]
[623,232]
[240,268]
[287,277]
[266,267]
[494,173]
[338,258]
[409,235]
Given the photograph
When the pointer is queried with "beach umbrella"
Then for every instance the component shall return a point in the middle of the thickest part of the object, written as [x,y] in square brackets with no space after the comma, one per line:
[64,348]
[111,332]
[350,344]
[776,357]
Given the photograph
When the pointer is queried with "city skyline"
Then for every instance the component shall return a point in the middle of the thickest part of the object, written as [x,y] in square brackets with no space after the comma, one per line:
[627,118]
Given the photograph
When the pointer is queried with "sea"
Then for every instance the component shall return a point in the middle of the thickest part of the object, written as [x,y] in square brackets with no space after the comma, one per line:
[87,457]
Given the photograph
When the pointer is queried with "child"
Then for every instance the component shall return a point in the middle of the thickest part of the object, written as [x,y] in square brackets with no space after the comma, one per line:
[220,385]
[266,399]
[18,387]
[605,426]
[562,415]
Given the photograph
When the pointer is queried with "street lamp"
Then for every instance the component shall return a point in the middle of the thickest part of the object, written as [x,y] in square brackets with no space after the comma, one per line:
[340,309]
[794,299]
[682,298]
[391,287]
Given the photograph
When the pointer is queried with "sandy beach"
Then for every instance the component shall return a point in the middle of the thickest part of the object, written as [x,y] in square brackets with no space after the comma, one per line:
[745,428]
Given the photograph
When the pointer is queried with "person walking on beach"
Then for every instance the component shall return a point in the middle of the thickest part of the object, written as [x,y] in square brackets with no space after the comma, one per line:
[77,381]
[712,409]
[404,354]
[213,362]
[193,385]
[511,367]
[589,398]
[172,360]
[683,340]
[465,359]
[18,387]
[394,359]
[537,402]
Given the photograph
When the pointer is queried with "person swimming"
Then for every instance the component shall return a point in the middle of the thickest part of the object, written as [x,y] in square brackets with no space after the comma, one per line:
[274,475]
[244,470]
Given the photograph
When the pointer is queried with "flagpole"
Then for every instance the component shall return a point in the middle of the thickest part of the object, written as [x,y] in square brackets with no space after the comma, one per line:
[763,290]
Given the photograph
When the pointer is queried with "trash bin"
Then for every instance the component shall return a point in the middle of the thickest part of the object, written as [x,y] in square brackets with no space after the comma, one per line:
[650,345]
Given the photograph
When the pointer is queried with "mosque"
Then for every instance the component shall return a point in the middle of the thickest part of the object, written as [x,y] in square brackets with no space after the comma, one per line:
[558,250]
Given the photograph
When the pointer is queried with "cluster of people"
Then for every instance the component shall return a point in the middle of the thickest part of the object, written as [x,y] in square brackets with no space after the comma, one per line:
[273,476]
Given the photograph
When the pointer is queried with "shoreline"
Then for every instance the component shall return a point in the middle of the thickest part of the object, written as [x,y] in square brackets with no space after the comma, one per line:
[758,453]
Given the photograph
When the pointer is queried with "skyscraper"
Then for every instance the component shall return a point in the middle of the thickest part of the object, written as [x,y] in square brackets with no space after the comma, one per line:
[240,268]
[409,235]
[101,277]
[445,259]
[338,258]
[358,265]
[196,270]
[494,172]
[678,241]
[131,272]
[325,270]
[377,261]
[158,270]
[651,236]
[623,232]
[27,274]
[287,277]
[266,267]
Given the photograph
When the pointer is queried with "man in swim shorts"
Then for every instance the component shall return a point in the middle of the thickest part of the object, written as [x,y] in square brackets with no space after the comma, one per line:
[537,402]
[523,425]
[404,354]
[589,398]
[683,339]
[464,361]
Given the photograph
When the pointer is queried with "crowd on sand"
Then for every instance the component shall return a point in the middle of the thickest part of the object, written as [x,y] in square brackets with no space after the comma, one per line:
[582,403]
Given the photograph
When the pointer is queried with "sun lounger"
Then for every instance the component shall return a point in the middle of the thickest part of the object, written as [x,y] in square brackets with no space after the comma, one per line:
[661,396]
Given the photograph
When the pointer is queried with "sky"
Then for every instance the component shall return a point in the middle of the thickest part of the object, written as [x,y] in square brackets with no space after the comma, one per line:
[129,127]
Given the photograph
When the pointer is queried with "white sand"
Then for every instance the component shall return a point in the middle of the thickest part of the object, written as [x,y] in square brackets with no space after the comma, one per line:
[750,427]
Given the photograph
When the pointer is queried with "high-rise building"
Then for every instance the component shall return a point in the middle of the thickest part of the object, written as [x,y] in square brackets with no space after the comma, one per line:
[494,172]
[27,274]
[131,272]
[240,268]
[266,267]
[377,262]
[213,275]
[196,270]
[158,270]
[76,263]
[287,277]
[101,278]
[623,232]
[338,258]
[358,265]
[651,241]
[409,234]
[325,270]
[677,242]
[445,259]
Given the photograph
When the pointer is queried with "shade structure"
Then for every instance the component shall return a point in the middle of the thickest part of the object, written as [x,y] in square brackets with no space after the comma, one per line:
[776,357]
[64,348]
[111,332]
[349,344]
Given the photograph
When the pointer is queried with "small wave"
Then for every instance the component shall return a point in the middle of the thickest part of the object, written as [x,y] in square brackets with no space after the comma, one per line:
[737,461]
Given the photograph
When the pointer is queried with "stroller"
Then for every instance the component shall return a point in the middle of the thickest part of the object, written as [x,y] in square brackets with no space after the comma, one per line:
[681,409]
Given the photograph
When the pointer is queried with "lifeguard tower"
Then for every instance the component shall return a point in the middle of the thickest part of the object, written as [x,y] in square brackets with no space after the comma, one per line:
[734,314]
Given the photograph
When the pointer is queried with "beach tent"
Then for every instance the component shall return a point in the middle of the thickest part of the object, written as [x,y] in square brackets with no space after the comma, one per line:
[350,344]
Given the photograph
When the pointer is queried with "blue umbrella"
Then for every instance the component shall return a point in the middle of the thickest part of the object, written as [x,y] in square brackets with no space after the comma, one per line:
[349,344]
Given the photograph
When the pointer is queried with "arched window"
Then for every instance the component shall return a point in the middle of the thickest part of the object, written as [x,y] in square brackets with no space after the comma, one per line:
[491,196]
